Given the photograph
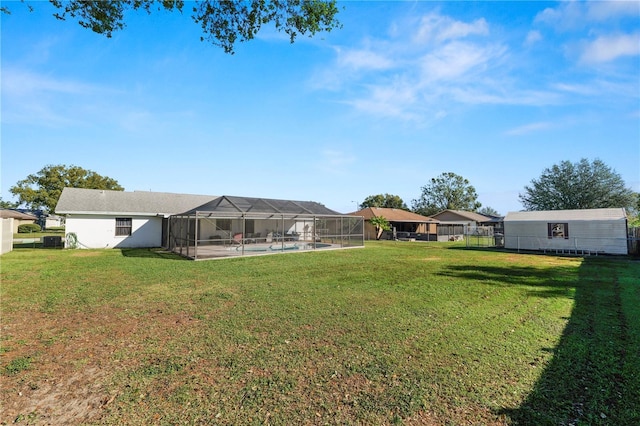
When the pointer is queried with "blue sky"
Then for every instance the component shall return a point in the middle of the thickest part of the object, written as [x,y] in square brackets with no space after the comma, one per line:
[493,91]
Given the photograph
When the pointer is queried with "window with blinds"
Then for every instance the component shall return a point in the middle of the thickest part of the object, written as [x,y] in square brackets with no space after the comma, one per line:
[123,226]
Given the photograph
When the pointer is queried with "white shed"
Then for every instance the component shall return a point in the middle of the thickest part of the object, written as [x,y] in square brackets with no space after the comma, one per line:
[589,231]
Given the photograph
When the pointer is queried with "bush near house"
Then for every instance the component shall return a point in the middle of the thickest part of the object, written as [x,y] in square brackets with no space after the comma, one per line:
[28,228]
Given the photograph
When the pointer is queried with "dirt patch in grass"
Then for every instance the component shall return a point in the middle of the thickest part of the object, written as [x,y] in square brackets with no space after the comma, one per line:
[72,358]
[84,253]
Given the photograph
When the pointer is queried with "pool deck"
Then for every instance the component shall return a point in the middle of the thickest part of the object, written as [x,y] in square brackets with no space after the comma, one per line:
[258,249]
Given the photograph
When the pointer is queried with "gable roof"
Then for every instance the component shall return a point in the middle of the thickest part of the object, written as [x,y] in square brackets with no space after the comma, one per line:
[14,214]
[136,203]
[568,215]
[394,215]
[234,204]
[460,216]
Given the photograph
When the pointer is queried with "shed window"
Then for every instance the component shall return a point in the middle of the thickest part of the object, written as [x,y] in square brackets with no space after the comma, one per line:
[558,230]
[123,226]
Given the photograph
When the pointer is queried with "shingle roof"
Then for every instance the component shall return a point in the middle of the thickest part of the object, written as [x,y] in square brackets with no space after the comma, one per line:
[567,215]
[13,214]
[393,215]
[234,204]
[94,201]
[464,215]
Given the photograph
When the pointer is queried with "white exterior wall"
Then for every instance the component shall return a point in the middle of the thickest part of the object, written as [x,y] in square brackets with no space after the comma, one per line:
[6,235]
[607,236]
[99,231]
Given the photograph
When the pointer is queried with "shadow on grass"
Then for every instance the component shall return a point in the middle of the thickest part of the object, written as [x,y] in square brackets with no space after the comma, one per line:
[594,375]
[151,253]
[555,282]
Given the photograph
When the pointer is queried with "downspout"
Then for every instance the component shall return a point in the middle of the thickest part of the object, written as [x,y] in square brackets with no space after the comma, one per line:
[244,235]
[195,239]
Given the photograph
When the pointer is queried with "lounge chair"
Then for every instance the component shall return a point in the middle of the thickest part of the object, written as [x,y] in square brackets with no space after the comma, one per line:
[237,238]
[253,238]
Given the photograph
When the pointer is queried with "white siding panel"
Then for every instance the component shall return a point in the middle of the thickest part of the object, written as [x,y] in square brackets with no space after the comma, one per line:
[98,231]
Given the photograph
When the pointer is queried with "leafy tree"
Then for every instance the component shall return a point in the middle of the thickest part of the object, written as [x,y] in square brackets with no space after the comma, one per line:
[223,23]
[581,185]
[488,211]
[8,204]
[42,190]
[447,191]
[384,200]
[634,214]
[381,223]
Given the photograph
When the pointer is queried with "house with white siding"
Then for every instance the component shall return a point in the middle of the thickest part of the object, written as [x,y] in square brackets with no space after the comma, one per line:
[587,231]
[107,219]
[203,226]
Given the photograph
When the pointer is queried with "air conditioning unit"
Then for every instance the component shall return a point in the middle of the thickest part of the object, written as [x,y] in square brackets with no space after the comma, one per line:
[52,241]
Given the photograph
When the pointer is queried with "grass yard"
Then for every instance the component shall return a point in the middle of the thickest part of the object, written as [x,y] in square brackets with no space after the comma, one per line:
[396,333]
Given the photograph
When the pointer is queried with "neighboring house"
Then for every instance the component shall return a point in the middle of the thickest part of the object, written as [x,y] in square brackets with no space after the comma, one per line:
[454,224]
[406,224]
[589,231]
[105,219]
[19,218]
[53,221]
[202,226]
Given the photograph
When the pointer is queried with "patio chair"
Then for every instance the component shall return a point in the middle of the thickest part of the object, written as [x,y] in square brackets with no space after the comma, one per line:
[237,238]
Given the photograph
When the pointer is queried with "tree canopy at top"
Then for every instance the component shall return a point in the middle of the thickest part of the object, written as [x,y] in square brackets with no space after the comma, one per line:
[447,191]
[384,200]
[581,185]
[223,23]
[42,189]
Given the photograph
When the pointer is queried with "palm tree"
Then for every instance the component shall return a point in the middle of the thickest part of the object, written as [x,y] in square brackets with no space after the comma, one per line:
[381,224]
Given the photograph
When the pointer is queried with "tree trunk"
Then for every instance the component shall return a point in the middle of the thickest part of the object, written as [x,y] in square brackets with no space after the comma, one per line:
[378,232]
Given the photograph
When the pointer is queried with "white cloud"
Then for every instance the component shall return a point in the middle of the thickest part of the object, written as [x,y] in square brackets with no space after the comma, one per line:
[567,15]
[529,128]
[611,47]
[533,37]
[20,83]
[604,10]
[456,59]
[438,28]
[30,97]
[409,74]
[363,60]
[437,63]
[394,100]
[577,14]
[484,95]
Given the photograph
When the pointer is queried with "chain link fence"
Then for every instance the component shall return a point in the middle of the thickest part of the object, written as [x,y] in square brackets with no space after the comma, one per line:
[489,237]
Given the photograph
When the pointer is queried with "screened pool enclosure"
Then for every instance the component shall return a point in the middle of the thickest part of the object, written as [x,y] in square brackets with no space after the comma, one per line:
[241,226]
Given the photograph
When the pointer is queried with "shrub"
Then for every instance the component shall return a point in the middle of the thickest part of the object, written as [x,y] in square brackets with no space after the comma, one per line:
[55,229]
[28,228]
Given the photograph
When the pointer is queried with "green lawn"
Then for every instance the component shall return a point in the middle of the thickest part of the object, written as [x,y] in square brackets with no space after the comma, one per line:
[414,333]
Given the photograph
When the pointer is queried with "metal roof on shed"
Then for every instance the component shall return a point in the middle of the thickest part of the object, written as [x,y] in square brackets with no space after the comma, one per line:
[568,215]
